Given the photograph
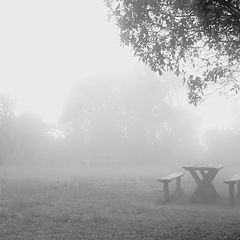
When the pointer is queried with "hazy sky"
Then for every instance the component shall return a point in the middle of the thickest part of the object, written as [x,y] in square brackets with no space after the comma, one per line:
[48,45]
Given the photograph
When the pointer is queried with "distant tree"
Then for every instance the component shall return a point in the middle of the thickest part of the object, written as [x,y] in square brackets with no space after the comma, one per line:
[7,107]
[7,117]
[182,140]
[127,115]
[91,118]
[31,138]
[198,39]
[223,146]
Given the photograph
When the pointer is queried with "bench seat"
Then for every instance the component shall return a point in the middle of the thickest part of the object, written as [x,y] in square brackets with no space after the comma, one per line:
[235,178]
[166,180]
[170,177]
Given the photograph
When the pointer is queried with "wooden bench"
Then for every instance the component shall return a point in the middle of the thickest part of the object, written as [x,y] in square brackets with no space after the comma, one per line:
[166,180]
[231,182]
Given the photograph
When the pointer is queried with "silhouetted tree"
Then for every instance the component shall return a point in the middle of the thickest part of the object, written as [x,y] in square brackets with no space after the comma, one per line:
[7,107]
[31,139]
[197,39]
[93,117]
[7,117]
[129,117]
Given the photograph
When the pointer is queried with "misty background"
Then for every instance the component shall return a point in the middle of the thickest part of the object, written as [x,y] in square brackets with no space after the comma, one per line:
[87,131]
[118,120]
[72,97]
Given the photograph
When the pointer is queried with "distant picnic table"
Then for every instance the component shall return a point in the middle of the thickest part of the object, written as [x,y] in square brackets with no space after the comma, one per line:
[204,175]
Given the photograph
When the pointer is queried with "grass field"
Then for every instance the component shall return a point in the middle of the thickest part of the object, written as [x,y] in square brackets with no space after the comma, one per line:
[103,207]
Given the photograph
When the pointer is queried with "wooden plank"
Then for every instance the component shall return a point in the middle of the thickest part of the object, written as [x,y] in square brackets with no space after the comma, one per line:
[235,178]
[170,177]
[203,167]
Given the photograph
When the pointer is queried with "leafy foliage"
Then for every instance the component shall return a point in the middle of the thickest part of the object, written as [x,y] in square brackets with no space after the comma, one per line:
[198,40]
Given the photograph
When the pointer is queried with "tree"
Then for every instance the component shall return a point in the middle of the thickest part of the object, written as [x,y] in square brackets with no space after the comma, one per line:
[130,118]
[223,146]
[198,40]
[32,140]
[7,107]
[92,116]
[7,117]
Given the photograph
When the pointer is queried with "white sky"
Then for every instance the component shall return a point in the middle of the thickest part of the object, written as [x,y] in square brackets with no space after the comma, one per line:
[46,46]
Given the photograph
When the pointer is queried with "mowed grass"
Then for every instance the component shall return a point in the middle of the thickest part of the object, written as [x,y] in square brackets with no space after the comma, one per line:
[117,207]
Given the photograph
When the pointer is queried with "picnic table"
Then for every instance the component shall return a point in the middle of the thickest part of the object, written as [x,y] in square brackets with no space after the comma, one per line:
[204,175]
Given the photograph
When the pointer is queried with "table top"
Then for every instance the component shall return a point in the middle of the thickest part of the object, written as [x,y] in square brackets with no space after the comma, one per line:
[203,167]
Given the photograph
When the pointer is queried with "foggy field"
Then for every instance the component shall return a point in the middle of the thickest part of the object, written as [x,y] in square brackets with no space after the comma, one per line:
[87,127]
[110,206]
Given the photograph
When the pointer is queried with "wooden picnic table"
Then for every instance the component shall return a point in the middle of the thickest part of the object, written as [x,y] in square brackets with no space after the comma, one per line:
[204,175]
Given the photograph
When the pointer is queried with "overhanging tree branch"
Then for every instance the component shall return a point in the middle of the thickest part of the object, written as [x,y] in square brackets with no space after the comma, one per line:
[168,35]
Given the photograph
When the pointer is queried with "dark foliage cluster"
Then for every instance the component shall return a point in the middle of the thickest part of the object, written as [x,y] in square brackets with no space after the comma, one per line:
[196,39]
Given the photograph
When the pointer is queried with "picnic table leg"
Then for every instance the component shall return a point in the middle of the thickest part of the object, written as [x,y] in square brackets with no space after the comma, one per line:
[207,179]
[178,188]
[198,192]
[231,193]
[166,190]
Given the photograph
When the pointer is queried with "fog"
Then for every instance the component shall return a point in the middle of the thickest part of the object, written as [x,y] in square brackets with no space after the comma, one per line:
[94,145]
[118,123]
[73,100]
